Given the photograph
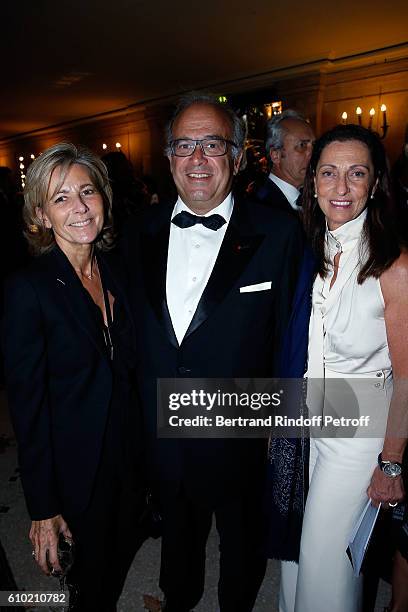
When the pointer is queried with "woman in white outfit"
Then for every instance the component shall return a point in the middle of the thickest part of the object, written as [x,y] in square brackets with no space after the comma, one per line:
[358,329]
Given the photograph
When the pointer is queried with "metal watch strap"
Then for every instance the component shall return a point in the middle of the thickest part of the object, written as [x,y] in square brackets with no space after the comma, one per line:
[385,465]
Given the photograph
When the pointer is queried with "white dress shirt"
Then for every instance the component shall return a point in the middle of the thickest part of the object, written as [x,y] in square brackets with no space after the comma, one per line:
[190,261]
[289,191]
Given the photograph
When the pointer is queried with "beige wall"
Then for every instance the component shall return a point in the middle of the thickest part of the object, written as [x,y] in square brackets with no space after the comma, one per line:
[324,95]
[370,87]
[322,92]
[139,131]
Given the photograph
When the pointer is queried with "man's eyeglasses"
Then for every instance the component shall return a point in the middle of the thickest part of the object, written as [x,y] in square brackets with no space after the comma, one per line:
[211,147]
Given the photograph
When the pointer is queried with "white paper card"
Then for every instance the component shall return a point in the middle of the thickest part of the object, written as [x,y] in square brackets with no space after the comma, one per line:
[360,536]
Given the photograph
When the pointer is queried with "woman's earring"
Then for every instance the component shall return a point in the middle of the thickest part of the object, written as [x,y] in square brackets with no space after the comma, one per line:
[372,196]
[315,195]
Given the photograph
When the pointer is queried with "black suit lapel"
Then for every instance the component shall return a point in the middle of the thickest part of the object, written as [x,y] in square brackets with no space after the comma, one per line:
[271,195]
[279,200]
[154,249]
[237,249]
[67,283]
[112,269]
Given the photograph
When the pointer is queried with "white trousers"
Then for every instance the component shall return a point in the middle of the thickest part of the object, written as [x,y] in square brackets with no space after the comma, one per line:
[340,471]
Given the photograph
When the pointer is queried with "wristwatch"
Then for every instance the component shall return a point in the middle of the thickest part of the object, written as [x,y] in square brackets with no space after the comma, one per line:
[390,468]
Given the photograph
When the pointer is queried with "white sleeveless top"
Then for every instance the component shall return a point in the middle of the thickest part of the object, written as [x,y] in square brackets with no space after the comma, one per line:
[347,332]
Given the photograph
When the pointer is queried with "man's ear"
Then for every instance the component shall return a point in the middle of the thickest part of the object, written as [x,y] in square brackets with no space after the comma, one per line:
[170,158]
[41,216]
[275,155]
[237,162]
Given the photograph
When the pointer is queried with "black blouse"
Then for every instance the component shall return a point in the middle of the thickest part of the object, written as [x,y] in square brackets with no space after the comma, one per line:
[122,441]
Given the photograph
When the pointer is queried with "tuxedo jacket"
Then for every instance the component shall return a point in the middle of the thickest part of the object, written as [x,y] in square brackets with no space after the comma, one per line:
[269,194]
[59,381]
[232,334]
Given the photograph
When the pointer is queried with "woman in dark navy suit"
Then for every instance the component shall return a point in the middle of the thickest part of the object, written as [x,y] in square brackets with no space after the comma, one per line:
[68,344]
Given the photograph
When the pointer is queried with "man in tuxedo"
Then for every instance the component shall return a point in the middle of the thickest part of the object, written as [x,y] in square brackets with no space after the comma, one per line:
[195,320]
[289,142]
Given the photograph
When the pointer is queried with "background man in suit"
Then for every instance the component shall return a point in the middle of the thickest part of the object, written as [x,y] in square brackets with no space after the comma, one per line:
[195,322]
[289,141]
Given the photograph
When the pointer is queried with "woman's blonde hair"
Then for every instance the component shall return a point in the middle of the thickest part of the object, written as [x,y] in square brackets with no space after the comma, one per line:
[36,192]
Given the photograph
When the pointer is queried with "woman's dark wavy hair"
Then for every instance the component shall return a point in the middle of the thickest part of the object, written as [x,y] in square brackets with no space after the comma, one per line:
[381,235]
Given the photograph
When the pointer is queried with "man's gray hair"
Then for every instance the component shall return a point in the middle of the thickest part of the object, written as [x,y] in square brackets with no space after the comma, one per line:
[275,131]
[238,125]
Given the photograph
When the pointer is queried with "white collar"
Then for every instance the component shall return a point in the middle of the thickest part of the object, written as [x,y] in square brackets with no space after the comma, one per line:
[224,209]
[347,235]
[289,191]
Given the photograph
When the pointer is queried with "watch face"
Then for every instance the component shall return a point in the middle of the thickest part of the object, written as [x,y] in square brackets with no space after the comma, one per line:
[392,469]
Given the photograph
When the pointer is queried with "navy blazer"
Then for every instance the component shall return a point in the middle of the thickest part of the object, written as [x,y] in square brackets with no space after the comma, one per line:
[287,482]
[59,381]
[293,359]
[269,194]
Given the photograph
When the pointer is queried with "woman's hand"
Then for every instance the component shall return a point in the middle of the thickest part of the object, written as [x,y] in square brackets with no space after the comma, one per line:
[394,286]
[44,538]
[384,489]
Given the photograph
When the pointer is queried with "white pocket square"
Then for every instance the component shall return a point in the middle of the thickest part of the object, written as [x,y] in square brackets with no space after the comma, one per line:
[257,287]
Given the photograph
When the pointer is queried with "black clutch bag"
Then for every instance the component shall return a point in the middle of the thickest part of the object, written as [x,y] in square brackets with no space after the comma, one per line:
[65,552]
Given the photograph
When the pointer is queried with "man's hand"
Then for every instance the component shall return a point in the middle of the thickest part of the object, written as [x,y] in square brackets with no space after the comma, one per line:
[384,489]
[44,538]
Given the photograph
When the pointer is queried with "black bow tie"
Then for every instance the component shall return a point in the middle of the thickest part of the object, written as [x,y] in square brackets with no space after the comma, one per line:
[186,219]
